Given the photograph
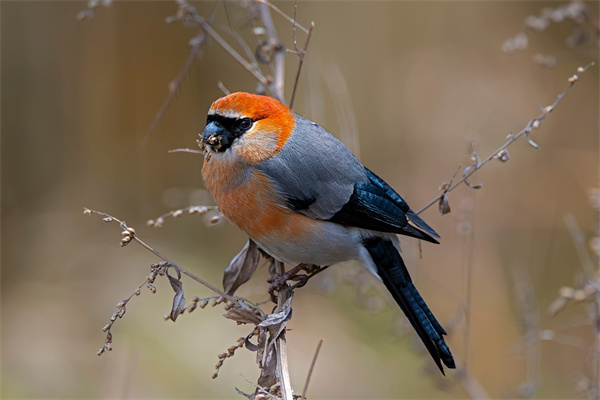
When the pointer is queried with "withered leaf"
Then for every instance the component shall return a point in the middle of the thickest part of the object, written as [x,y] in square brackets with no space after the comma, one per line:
[268,371]
[444,204]
[241,268]
[282,316]
[261,346]
[248,344]
[249,396]
[243,315]
[467,172]
[178,300]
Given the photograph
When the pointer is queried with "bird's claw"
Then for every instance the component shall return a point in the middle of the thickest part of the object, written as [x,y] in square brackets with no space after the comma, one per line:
[279,282]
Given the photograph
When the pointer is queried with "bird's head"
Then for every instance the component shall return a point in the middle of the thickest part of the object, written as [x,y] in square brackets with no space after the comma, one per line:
[251,127]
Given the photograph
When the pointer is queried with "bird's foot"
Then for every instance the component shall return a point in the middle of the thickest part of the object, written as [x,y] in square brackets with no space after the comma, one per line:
[279,282]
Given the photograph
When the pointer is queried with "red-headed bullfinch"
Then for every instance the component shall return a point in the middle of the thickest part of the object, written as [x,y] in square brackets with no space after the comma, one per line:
[304,198]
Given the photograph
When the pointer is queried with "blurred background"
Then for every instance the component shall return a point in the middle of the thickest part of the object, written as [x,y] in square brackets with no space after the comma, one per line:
[410,86]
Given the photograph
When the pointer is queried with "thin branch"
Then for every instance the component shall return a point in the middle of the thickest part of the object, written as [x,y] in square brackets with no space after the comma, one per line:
[310,371]
[284,15]
[173,87]
[279,55]
[186,150]
[502,153]
[280,344]
[159,221]
[470,384]
[249,67]
[301,54]
[133,236]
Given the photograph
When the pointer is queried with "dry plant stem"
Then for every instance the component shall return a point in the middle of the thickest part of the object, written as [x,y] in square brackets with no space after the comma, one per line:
[531,324]
[280,346]
[533,123]
[159,221]
[596,354]
[173,87]
[157,254]
[310,371]
[470,384]
[284,15]
[578,239]
[249,67]
[185,150]
[468,253]
[301,54]
[279,57]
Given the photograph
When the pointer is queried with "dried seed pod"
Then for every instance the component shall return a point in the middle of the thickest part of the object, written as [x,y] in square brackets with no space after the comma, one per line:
[502,155]
[578,295]
[566,292]
[177,213]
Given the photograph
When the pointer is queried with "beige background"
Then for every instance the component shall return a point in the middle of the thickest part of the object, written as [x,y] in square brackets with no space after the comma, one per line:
[423,80]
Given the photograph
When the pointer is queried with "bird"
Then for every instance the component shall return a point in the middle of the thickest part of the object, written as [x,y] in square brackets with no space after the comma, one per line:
[304,198]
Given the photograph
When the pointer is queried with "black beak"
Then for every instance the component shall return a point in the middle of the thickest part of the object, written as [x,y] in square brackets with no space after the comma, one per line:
[216,136]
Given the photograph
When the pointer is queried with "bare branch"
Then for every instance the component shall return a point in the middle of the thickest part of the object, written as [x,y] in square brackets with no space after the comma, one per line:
[284,15]
[173,87]
[301,54]
[310,371]
[159,221]
[501,153]
[133,236]
[279,58]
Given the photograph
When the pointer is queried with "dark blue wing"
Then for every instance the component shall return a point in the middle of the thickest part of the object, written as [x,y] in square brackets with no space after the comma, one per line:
[399,201]
[374,205]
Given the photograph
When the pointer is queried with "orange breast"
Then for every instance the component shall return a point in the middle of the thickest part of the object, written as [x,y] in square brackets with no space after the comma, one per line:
[248,199]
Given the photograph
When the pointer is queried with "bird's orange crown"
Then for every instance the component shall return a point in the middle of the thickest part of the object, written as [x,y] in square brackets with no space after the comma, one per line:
[270,115]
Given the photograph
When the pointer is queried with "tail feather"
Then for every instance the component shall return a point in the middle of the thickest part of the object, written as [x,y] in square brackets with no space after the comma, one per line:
[393,272]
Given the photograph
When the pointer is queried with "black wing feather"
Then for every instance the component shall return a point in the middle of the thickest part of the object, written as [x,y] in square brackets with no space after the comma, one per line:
[399,201]
[376,206]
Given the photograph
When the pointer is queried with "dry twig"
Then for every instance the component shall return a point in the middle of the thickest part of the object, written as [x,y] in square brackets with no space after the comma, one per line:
[501,154]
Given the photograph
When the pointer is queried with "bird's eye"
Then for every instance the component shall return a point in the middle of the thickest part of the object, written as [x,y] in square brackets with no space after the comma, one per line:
[246,123]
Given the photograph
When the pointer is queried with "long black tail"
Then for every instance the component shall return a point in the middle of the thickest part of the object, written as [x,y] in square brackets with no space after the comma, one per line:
[394,274]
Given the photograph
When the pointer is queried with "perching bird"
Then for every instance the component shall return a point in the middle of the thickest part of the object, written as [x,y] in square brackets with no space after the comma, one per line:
[304,198]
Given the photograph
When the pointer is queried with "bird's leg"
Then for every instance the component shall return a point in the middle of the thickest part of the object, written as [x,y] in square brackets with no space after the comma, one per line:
[280,281]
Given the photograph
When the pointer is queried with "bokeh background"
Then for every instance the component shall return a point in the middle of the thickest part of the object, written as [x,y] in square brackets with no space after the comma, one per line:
[420,81]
